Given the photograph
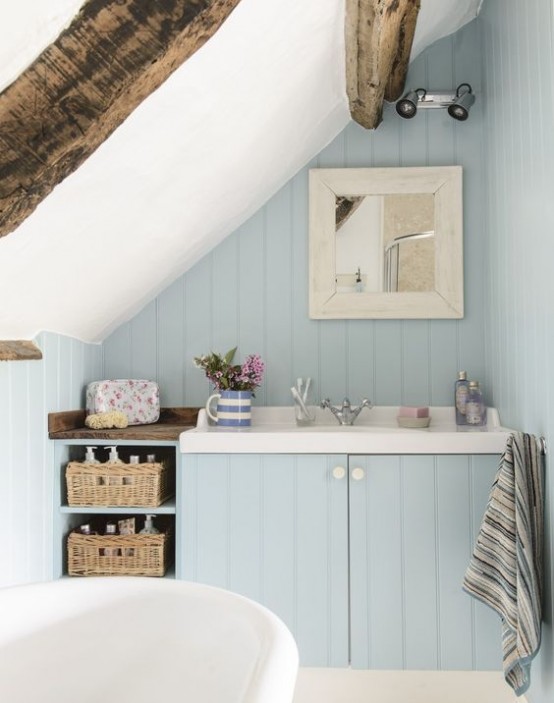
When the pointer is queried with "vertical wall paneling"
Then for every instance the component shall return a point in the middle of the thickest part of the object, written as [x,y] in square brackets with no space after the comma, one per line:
[225,286]
[278,296]
[252,290]
[28,391]
[6,474]
[117,352]
[65,372]
[38,532]
[305,332]
[142,342]
[22,484]
[415,376]
[168,338]
[518,159]
[388,361]
[250,334]
[197,337]
[361,370]
[414,139]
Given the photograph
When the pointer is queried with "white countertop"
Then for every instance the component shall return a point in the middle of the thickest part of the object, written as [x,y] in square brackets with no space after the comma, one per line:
[375,431]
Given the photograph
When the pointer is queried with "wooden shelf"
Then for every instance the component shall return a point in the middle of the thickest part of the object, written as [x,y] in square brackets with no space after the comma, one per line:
[173,421]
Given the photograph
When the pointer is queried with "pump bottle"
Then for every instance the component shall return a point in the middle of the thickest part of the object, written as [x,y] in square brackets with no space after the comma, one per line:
[113,457]
[89,456]
[149,528]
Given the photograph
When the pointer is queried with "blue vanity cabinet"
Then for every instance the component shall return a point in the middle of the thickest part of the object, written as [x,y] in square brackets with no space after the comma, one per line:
[362,557]
[274,528]
[413,522]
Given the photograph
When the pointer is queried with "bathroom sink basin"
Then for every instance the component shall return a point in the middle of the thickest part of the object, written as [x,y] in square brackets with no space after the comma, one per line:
[375,431]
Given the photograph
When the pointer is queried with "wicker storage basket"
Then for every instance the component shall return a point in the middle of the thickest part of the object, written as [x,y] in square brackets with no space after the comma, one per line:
[118,484]
[118,555]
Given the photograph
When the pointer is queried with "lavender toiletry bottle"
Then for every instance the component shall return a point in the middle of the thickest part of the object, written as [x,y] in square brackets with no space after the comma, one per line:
[461,392]
[476,412]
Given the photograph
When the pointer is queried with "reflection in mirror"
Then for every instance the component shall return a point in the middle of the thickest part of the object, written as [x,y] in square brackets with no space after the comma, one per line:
[386,243]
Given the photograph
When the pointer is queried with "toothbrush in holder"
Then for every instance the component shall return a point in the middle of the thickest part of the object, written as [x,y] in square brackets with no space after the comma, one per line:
[300,396]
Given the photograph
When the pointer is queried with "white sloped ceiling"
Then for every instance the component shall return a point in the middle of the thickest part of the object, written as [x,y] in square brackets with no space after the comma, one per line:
[193,161]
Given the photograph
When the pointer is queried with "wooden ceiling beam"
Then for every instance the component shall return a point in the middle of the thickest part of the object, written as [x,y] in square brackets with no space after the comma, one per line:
[19,350]
[85,84]
[379,36]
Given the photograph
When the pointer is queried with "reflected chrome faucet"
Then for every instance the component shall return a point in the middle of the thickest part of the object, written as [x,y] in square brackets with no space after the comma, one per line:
[346,414]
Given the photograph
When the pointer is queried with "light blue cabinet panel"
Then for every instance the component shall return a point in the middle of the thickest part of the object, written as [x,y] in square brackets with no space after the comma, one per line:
[413,522]
[485,620]
[420,564]
[274,528]
[376,565]
[366,570]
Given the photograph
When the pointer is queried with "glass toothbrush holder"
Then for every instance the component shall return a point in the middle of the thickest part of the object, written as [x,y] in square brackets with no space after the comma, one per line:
[304,413]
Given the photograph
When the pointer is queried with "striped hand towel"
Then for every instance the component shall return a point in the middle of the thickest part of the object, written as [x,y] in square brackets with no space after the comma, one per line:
[505,570]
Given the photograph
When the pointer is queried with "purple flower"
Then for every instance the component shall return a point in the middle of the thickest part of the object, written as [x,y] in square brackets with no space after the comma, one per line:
[225,375]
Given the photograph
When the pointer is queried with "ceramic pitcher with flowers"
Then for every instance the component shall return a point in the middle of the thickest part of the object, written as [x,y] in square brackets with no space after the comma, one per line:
[234,385]
[234,408]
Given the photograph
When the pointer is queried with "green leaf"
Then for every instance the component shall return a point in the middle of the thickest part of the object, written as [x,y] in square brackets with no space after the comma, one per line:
[230,354]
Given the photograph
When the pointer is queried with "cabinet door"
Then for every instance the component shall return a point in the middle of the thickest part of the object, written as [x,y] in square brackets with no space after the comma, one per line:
[274,528]
[413,525]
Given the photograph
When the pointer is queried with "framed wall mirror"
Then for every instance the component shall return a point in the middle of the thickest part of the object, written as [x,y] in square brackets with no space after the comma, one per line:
[386,243]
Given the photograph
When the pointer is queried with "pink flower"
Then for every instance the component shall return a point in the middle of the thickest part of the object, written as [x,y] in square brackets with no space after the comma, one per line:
[225,375]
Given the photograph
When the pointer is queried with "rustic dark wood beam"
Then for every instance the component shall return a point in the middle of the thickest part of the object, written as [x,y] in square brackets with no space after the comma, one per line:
[19,350]
[84,85]
[379,35]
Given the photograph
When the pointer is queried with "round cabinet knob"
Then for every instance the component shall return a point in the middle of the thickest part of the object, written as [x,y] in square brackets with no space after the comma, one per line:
[339,472]
[357,474]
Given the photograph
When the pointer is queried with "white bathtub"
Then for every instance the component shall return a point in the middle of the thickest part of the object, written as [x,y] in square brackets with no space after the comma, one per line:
[139,640]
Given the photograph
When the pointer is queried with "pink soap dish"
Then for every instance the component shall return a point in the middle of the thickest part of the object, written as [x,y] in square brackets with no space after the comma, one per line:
[413,422]
[413,411]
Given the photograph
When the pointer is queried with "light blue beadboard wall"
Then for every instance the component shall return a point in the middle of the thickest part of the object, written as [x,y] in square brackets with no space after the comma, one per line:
[29,390]
[519,159]
[252,290]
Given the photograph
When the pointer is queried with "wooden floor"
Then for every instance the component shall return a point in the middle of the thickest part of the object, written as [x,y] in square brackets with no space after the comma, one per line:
[356,686]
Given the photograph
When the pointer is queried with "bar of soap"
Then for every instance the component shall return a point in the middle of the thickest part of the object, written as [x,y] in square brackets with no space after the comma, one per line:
[413,411]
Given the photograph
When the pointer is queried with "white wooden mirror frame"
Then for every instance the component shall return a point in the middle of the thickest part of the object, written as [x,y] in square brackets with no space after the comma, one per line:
[446,301]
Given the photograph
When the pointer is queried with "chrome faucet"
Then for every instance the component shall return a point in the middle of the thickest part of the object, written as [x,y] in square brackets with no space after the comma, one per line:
[346,414]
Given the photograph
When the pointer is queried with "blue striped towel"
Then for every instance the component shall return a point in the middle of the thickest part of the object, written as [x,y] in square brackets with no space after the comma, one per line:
[505,570]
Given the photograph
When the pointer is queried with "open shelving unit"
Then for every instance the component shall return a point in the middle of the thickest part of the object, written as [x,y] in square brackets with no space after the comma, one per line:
[71,436]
